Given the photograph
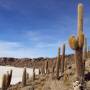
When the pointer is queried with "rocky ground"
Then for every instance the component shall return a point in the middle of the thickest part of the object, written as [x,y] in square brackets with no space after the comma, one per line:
[27,62]
[49,81]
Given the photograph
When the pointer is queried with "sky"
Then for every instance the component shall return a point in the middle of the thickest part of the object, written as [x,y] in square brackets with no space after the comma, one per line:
[36,28]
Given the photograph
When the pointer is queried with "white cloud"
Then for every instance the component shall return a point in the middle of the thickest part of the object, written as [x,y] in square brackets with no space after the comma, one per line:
[5,45]
[16,49]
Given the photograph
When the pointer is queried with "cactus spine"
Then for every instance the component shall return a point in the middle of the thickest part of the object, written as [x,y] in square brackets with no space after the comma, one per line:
[58,64]
[63,59]
[79,49]
[24,78]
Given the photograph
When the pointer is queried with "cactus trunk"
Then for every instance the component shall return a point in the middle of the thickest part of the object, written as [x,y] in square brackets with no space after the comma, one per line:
[79,65]
[33,73]
[24,78]
[9,78]
[46,67]
[63,59]
[3,82]
[84,52]
[58,64]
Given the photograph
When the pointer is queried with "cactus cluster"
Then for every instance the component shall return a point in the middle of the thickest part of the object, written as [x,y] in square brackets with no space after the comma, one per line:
[60,62]
[76,43]
[6,80]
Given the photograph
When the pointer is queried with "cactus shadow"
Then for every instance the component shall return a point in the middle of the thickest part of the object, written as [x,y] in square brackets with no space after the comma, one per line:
[87,76]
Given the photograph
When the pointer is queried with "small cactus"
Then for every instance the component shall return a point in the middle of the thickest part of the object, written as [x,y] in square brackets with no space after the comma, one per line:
[43,70]
[27,76]
[39,71]
[58,64]
[46,66]
[33,74]
[63,60]
[4,82]
[53,68]
[9,78]
[24,78]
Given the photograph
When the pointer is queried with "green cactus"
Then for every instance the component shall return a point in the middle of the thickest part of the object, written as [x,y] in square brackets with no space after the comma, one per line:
[33,74]
[9,78]
[63,60]
[58,64]
[46,66]
[39,71]
[53,68]
[27,76]
[84,52]
[80,18]
[24,78]
[85,49]
[4,82]
[43,70]
[79,50]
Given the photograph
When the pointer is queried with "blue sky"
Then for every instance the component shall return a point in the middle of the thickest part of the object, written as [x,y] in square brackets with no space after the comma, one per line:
[33,28]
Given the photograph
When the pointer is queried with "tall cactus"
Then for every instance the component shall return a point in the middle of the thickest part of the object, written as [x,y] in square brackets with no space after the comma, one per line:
[46,66]
[77,45]
[43,69]
[63,59]
[53,67]
[58,64]
[9,78]
[24,78]
[33,74]
[4,82]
